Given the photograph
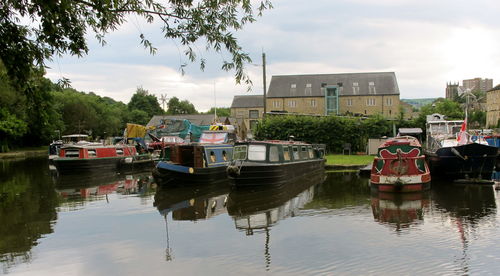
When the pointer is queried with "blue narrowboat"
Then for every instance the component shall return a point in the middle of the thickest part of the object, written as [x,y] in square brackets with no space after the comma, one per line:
[205,161]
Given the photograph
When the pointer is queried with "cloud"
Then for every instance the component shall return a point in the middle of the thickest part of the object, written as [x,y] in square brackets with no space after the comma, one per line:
[426,43]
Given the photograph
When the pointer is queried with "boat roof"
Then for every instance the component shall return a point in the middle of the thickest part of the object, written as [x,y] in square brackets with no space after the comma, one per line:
[402,140]
[75,136]
[281,142]
[404,131]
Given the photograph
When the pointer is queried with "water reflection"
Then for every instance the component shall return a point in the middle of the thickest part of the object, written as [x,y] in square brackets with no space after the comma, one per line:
[74,190]
[399,210]
[192,203]
[27,209]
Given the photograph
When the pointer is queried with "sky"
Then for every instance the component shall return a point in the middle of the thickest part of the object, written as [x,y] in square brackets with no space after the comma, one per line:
[427,43]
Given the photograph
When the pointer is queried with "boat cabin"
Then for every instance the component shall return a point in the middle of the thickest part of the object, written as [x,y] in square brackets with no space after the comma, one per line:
[96,152]
[277,151]
[201,156]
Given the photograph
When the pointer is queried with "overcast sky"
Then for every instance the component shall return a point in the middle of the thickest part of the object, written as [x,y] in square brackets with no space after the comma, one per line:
[425,42]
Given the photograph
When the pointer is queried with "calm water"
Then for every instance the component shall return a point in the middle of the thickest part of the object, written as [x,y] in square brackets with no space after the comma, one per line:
[327,224]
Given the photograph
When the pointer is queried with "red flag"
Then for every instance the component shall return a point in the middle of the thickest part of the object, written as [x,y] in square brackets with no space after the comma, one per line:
[462,135]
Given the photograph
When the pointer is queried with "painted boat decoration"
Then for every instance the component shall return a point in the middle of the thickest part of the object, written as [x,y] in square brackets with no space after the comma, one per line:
[274,162]
[400,166]
[99,157]
[192,163]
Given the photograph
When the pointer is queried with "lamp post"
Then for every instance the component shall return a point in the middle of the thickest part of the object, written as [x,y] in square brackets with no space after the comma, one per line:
[264,81]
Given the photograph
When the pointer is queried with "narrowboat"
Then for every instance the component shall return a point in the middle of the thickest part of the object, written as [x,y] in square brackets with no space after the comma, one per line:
[400,166]
[452,155]
[99,157]
[273,162]
[192,163]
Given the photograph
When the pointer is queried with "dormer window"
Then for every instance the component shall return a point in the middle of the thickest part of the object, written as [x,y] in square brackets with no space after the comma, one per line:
[293,88]
[308,90]
[355,88]
[371,88]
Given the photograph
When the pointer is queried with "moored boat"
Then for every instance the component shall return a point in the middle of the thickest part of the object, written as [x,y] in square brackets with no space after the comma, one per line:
[452,155]
[99,157]
[273,162]
[192,163]
[400,166]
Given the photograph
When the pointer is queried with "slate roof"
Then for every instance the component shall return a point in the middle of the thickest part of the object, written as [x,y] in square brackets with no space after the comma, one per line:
[495,88]
[198,119]
[246,101]
[385,83]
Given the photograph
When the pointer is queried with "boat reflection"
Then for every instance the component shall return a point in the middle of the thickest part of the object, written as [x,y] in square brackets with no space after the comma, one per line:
[91,187]
[399,210]
[192,203]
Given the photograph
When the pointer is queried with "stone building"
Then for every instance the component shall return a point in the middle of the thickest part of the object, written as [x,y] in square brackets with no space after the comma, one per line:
[335,94]
[248,108]
[451,91]
[493,107]
[478,84]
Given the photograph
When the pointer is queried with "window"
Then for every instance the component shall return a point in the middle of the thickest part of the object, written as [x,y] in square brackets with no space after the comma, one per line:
[274,155]
[389,101]
[296,153]
[292,104]
[257,152]
[370,102]
[212,157]
[286,153]
[371,88]
[303,152]
[72,153]
[240,153]
[224,155]
[349,102]
[308,90]
[293,88]
[355,88]
[313,103]
[119,151]
[92,153]
[276,103]
[253,114]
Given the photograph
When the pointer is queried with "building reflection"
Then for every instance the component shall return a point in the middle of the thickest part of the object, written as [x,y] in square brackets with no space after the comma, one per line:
[399,210]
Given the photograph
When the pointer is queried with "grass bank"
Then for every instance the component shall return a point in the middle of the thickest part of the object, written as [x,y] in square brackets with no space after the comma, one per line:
[25,152]
[348,160]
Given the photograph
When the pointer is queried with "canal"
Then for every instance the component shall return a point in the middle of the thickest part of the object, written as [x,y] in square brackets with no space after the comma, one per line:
[327,224]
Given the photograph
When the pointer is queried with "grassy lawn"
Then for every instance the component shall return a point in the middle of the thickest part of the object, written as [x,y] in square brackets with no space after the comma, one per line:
[337,159]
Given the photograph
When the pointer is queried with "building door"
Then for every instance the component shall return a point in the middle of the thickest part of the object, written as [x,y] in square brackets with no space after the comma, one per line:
[331,100]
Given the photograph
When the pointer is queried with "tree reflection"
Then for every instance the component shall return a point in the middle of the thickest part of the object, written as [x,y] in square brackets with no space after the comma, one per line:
[27,209]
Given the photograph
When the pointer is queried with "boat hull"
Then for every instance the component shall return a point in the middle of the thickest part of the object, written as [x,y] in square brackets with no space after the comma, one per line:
[83,165]
[463,162]
[167,173]
[254,173]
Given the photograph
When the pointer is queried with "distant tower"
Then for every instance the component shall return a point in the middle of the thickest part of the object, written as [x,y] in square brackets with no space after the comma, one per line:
[451,91]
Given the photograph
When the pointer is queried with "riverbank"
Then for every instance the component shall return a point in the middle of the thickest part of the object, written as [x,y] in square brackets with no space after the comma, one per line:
[347,162]
[25,153]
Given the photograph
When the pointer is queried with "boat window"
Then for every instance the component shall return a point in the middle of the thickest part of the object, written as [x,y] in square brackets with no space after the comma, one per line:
[224,155]
[274,155]
[296,153]
[311,152]
[286,153]
[212,156]
[91,153]
[257,152]
[240,153]
[72,153]
[119,151]
[303,152]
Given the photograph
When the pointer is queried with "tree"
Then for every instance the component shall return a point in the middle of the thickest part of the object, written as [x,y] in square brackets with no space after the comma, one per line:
[221,111]
[143,101]
[180,107]
[59,27]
